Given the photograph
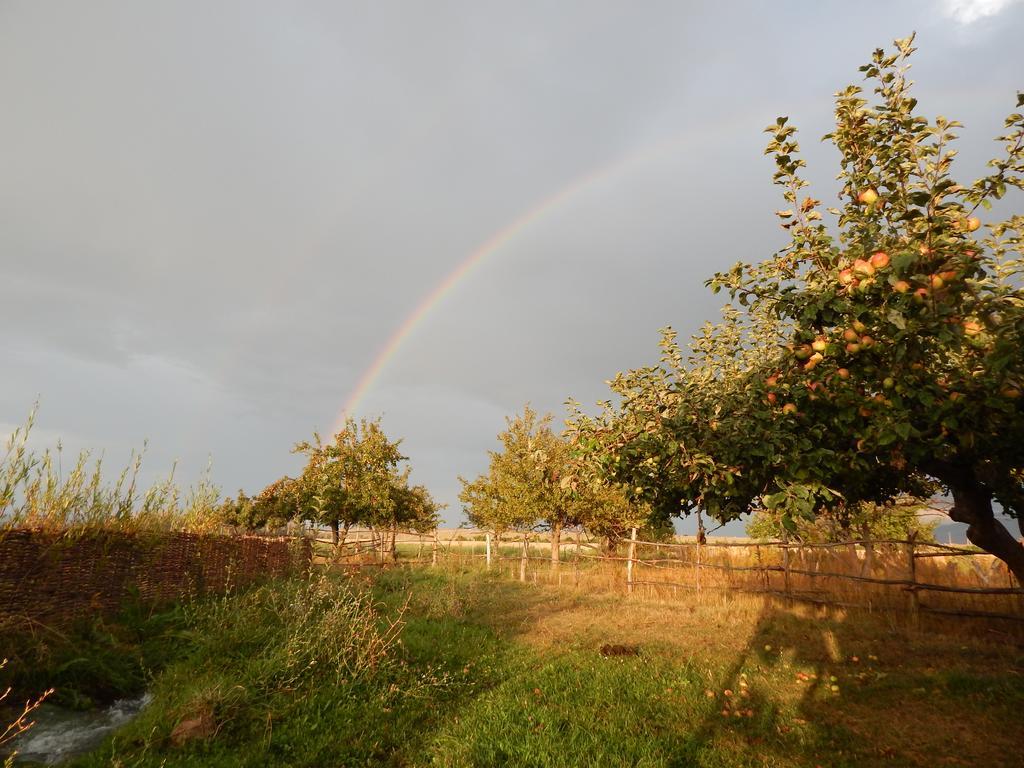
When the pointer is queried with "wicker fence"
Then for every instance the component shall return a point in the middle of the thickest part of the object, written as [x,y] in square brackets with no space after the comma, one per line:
[57,578]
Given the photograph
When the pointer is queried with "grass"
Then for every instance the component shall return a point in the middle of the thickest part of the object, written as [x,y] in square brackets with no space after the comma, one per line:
[482,670]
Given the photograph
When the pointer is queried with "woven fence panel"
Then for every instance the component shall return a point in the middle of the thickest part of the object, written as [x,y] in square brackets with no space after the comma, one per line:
[58,578]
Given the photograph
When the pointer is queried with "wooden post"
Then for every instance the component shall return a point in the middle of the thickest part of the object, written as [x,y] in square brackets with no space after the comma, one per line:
[764,572]
[488,538]
[522,558]
[629,561]
[433,550]
[696,564]
[785,568]
[576,560]
[915,604]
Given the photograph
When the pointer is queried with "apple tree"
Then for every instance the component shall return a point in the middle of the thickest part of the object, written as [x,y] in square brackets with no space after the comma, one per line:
[902,320]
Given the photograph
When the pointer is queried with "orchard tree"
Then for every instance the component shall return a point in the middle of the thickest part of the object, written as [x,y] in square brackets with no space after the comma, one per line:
[523,487]
[904,319]
[349,481]
[277,504]
[861,362]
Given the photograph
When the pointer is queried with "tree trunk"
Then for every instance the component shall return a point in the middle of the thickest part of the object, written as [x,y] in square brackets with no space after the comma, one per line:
[344,534]
[394,544]
[334,533]
[972,504]
[556,543]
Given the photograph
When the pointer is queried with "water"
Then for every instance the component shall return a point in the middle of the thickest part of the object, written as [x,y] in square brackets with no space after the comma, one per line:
[63,733]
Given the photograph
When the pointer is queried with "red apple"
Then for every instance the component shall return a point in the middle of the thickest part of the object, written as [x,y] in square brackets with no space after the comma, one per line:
[880,260]
[901,286]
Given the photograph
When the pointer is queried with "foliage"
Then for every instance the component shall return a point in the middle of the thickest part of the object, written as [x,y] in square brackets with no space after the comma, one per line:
[36,493]
[356,479]
[895,521]
[534,481]
[867,359]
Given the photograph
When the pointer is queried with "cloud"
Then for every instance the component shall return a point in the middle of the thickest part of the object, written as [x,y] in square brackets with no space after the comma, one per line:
[969,11]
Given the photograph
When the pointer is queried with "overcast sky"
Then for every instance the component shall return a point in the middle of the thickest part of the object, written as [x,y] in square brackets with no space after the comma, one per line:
[213,215]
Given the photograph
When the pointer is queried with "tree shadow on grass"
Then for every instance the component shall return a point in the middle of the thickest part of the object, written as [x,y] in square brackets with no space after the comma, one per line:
[848,689]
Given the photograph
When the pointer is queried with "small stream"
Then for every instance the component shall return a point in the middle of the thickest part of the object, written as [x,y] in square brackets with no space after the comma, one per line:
[61,733]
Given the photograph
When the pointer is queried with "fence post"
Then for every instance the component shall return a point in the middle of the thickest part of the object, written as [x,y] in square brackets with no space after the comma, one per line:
[488,535]
[785,568]
[915,603]
[629,561]
[433,550]
[696,566]
[764,572]
[522,558]
[576,560]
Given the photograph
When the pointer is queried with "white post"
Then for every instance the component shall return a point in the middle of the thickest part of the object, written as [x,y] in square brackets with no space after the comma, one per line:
[488,535]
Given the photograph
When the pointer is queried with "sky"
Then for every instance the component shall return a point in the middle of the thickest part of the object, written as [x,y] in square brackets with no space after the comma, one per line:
[221,223]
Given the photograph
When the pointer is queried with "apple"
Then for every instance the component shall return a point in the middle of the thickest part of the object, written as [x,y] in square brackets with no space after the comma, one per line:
[803,352]
[937,282]
[772,397]
[901,286]
[867,342]
[789,408]
[851,335]
[862,267]
[880,260]
[1011,392]
[954,396]
[888,382]
[949,275]
[819,345]
[846,276]
[843,373]
[972,327]
[852,348]
[921,295]
[859,327]
[812,361]
[973,224]
[772,380]
[868,196]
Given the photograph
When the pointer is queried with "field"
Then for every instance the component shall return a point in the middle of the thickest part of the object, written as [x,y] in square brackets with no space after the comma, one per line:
[454,666]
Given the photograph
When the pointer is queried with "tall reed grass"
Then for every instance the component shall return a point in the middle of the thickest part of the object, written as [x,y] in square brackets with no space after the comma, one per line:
[37,491]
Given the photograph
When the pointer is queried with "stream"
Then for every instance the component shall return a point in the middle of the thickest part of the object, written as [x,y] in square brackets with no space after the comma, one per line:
[61,733]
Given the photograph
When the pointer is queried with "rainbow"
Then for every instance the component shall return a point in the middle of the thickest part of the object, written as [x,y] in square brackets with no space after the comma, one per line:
[493,244]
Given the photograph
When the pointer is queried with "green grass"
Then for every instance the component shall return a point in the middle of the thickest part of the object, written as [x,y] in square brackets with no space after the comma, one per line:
[487,671]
